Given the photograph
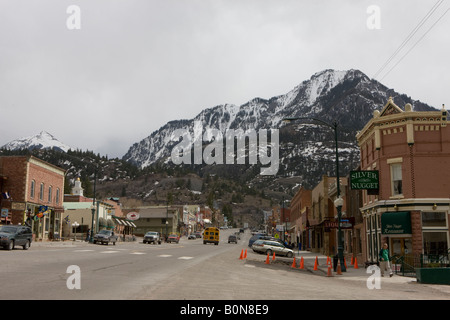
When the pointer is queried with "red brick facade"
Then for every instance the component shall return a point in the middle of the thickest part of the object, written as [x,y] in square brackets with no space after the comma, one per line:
[411,152]
[33,185]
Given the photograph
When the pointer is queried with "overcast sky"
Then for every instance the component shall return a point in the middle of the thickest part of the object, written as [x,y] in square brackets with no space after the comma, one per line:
[134,65]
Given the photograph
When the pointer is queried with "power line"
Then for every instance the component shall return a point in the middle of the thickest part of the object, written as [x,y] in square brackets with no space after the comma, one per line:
[411,34]
[420,39]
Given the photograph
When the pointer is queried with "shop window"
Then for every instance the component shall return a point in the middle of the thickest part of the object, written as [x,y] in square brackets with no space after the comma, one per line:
[435,243]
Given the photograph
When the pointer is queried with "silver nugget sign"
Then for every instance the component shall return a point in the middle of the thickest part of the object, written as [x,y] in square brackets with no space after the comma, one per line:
[364,180]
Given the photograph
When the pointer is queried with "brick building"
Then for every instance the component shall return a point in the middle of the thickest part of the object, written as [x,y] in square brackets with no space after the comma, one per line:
[321,220]
[300,206]
[32,192]
[411,152]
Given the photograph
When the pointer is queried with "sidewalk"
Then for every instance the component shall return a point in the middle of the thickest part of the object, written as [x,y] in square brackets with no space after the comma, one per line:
[309,259]
[351,273]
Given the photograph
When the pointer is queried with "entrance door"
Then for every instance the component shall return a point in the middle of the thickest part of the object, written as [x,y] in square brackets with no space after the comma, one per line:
[403,248]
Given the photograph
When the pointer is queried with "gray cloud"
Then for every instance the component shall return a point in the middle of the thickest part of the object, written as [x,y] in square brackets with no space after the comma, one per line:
[134,65]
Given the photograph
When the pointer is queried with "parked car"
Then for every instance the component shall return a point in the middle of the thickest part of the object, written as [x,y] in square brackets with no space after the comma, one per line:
[192,237]
[105,237]
[270,247]
[173,238]
[259,236]
[198,235]
[152,237]
[232,238]
[12,235]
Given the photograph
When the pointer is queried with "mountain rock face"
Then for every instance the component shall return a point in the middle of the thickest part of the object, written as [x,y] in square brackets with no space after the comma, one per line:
[43,140]
[306,148]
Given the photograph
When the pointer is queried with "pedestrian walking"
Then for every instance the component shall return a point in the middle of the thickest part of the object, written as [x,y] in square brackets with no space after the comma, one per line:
[385,260]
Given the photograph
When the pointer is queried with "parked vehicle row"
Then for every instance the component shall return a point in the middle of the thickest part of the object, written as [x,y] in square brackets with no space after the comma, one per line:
[21,235]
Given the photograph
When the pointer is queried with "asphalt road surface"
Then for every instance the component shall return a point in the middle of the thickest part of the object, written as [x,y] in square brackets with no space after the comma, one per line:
[187,270]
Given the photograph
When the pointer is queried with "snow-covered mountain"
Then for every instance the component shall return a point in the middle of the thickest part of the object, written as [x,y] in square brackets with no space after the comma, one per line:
[348,97]
[42,140]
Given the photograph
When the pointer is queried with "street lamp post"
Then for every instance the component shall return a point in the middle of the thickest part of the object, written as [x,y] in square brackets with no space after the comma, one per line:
[339,201]
[91,238]
[75,225]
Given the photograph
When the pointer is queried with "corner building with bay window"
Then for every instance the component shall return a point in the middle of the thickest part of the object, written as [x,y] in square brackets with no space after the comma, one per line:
[410,211]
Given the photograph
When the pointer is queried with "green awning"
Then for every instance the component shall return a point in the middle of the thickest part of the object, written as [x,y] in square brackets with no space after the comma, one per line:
[396,223]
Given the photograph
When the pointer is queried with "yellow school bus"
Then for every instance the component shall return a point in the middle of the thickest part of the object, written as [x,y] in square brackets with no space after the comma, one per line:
[211,235]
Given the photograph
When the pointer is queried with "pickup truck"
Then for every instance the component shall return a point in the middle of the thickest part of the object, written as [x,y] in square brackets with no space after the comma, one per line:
[105,237]
[173,238]
[152,237]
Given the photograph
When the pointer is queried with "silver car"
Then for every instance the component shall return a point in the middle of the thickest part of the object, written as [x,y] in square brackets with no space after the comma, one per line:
[269,247]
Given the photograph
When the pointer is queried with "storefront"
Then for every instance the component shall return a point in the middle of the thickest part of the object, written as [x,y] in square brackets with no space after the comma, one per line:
[45,222]
[414,235]
[396,232]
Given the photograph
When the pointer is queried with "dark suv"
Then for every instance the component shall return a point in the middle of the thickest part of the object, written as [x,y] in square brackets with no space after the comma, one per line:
[12,235]
[105,237]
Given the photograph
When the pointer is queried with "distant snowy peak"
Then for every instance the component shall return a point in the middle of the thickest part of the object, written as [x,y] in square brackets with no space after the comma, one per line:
[43,140]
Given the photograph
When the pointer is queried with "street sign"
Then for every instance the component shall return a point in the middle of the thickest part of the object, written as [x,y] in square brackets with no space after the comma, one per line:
[133,216]
[364,180]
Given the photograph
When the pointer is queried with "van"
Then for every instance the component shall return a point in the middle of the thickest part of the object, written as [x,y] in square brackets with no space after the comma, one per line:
[211,235]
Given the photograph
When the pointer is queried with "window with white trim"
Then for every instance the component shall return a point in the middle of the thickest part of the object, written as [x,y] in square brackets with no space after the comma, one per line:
[396,179]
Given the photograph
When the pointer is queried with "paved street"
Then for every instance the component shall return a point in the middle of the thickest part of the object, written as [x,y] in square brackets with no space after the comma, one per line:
[188,270]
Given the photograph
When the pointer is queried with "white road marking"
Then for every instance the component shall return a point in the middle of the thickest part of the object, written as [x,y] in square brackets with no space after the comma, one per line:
[165,255]
[185,258]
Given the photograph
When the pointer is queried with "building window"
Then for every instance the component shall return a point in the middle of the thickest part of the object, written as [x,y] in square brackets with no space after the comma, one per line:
[396,179]
[434,219]
[50,194]
[41,192]
[32,189]
[57,196]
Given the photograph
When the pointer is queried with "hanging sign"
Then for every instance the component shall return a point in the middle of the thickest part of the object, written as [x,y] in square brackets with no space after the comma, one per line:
[365,180]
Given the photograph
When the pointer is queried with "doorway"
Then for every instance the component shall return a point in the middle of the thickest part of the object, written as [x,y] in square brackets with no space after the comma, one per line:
[402,247]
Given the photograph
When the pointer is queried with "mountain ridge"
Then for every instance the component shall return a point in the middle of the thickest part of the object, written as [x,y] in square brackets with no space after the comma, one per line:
[348,96]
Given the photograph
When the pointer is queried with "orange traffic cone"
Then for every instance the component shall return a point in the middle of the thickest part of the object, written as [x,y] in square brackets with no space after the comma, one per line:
[330,273]
[268,259]
[315,264]
[339,271]
[273,257]
[345,263]
[302,264]
[356,264]
[352,262]
[245,254]
[242,255]
[294,264]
